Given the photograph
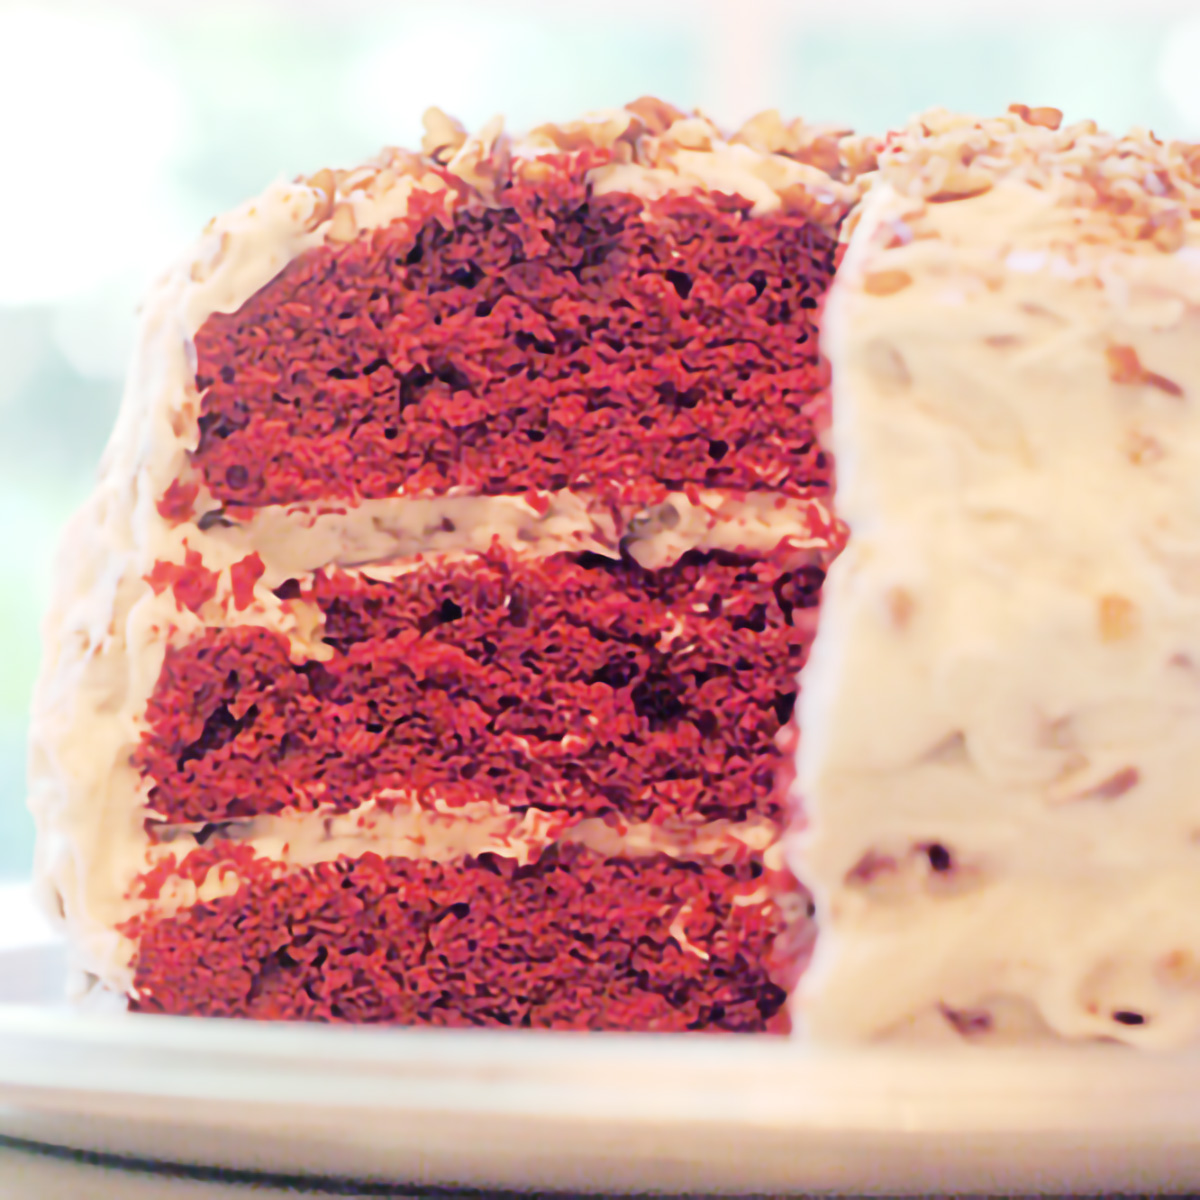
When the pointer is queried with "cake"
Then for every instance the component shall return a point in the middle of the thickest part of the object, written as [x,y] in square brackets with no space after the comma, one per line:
[1000,715]
[427,652]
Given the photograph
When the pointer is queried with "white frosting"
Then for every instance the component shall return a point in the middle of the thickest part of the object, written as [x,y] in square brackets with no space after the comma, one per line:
[765,162]
[735,170]
[299,538]
[757,523]
[1006,679]
[443,833]
[107,630]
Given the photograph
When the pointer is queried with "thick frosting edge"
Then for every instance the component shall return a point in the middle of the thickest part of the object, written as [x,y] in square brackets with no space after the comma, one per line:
[998,711]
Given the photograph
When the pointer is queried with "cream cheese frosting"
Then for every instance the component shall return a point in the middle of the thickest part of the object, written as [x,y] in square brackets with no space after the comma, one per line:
[413,828]
[1001,712]
[107,630]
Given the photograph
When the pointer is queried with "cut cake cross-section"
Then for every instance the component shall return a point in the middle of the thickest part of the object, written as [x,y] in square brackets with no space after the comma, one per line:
[427,652]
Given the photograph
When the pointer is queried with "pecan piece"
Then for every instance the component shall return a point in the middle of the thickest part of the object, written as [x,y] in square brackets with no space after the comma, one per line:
[1117,617]
[1045,116]
[657,115]
[886,283]
[1125,367]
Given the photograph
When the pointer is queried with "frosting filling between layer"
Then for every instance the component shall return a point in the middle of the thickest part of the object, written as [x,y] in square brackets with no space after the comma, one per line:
[295,539]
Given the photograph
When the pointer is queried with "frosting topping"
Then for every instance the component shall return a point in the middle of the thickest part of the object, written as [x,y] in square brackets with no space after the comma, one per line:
[999,713]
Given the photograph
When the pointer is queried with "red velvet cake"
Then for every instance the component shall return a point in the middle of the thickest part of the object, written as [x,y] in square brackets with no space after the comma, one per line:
[461,538]
[428,651]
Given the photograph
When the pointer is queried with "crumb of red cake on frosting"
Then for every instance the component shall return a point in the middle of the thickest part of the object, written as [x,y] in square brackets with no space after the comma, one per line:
[178,501]
[191,582]
[243,575]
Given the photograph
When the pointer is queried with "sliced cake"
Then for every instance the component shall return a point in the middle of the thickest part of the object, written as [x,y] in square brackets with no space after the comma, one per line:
[428,651]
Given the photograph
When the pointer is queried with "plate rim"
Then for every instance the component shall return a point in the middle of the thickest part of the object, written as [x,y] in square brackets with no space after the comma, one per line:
[698,1112]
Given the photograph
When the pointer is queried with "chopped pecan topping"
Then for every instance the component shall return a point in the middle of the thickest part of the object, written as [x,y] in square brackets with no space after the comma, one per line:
[1046,117]
[657,115]
[444,135]
[1148,189]
[1124,366]
[886,283]
[1117,618]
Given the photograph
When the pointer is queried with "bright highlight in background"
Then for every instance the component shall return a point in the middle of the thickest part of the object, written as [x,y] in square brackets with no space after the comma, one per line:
[466,66]
[90,123]
[1179,70]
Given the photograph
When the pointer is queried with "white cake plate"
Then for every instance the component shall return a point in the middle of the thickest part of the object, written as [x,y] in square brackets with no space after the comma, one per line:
[587,1112]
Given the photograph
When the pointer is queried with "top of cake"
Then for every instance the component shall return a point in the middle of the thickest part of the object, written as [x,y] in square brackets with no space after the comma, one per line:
[1147,188]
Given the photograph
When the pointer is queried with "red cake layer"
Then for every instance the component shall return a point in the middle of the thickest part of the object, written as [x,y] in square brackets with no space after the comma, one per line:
[571,941]
[574,684]
[556,340]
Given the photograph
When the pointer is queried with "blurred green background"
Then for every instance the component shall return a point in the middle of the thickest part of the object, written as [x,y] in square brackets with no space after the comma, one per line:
[125,126]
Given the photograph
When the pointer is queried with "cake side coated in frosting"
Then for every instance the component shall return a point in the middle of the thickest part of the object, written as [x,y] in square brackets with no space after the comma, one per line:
[999,716]
[157,561]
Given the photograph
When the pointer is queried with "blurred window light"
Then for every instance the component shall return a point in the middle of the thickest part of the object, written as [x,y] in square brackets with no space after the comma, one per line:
[23,345]
[744,58]
[875,75]
[91,120]
[93,332]
[1179,70]
[30,523]
[456,56]
[24,923]
[530,62]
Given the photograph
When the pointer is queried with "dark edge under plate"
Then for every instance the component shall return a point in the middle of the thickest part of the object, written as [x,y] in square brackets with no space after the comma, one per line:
[301,1185]
[319,1185]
